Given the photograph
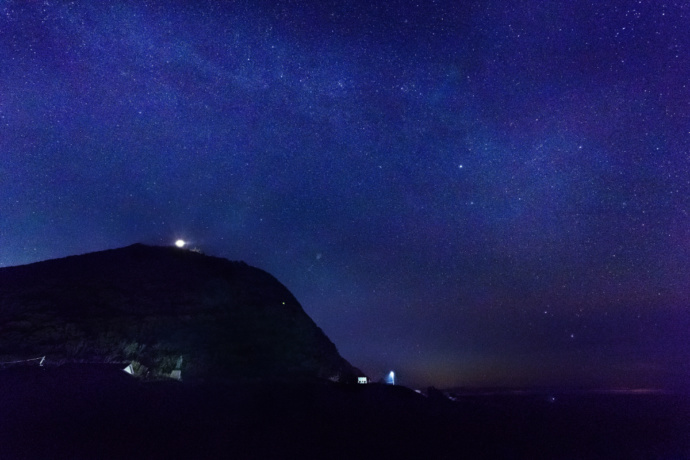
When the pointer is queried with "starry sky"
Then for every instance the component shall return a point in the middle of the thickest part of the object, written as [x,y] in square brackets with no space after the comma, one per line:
[472,193]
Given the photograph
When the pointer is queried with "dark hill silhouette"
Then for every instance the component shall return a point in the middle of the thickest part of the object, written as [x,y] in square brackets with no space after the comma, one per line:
[163,308]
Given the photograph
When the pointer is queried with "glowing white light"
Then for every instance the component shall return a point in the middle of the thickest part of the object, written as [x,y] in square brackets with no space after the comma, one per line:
[180,243]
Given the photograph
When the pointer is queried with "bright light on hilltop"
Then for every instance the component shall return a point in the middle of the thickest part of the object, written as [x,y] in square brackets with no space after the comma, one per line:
[180,243]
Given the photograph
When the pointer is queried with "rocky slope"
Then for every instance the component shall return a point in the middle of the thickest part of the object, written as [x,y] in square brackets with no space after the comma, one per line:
[164,309]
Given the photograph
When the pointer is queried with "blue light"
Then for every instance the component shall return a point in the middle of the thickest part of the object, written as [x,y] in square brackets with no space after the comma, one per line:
[391,378]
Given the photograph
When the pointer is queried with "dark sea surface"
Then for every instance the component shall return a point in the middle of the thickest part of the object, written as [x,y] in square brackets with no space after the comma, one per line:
[90,412]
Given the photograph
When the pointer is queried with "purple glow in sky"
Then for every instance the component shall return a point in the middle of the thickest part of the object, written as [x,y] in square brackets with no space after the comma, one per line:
[471,193]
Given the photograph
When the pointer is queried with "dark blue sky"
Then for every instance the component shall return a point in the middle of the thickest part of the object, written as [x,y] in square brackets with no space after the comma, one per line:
[471,193]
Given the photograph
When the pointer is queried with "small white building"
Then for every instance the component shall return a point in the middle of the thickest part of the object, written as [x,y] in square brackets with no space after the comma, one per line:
[362,380]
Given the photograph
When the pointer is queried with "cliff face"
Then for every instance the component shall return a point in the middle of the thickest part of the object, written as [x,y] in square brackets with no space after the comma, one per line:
[166,309]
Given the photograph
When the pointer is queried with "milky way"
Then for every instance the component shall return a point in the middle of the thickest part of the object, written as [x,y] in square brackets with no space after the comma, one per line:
[492,193]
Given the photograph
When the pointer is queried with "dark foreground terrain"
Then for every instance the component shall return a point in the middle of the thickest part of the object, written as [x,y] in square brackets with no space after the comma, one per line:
[91,412]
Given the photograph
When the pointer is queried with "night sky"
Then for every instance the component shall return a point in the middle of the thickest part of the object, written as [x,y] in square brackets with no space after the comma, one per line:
[470,193]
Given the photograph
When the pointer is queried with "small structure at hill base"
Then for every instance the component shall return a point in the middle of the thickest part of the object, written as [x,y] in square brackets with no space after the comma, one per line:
[177,373]
[362,380]
[136,369]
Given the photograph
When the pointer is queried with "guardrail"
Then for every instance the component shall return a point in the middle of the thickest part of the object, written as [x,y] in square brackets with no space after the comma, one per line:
[41,359]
